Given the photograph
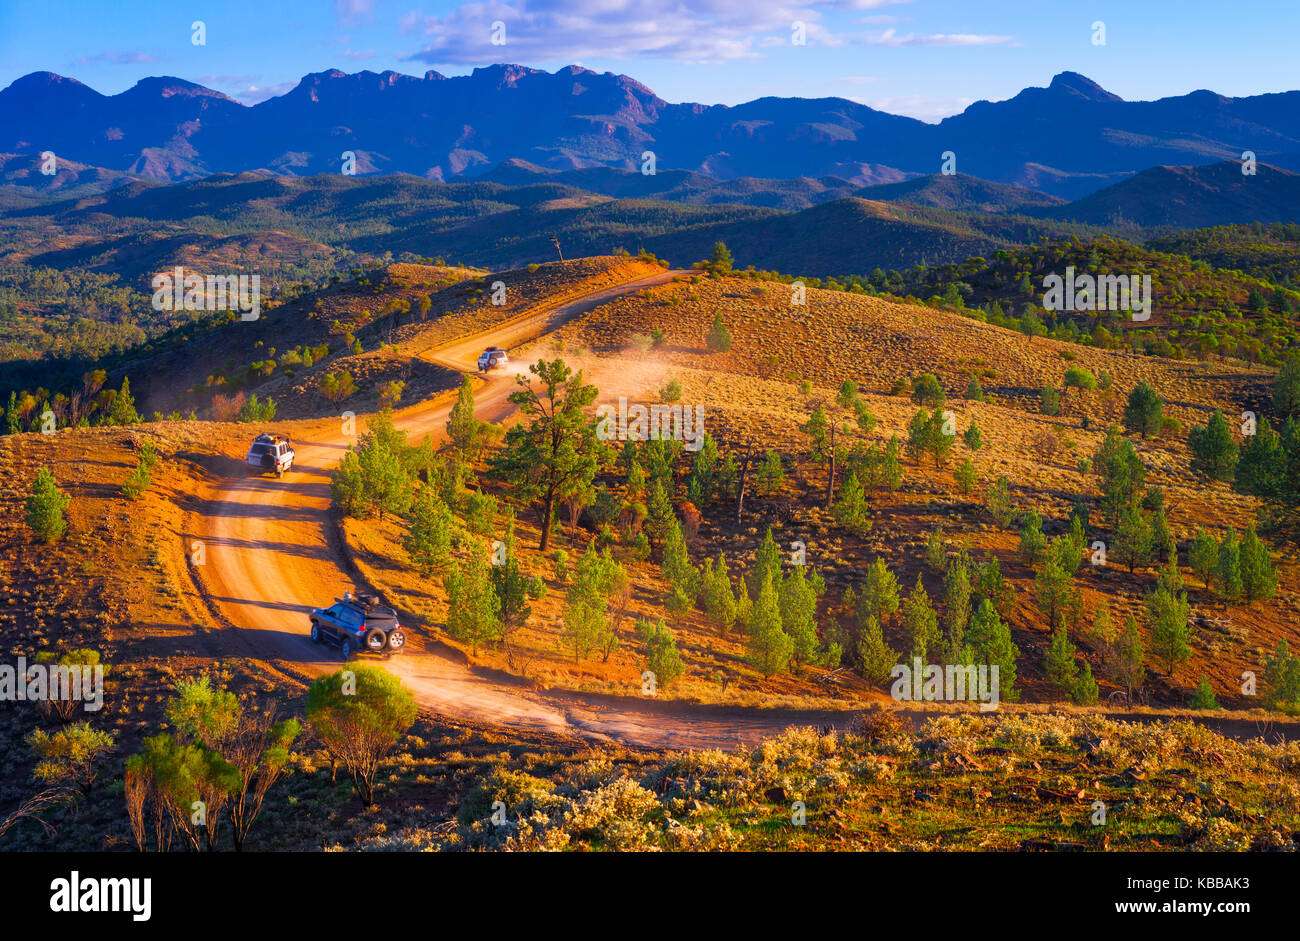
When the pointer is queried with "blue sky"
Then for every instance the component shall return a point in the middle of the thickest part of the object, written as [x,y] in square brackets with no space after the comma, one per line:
[925,58]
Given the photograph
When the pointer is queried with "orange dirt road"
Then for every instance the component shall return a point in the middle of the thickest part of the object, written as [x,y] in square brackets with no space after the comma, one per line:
[272,557]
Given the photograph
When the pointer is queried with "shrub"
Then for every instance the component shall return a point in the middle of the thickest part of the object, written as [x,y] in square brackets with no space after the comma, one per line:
[927,391]
[965,476]
[1049,401]
[360,714]
[1203,698]
[1080,378]
[137,482]
[661,657]
[718,339]
[45,506]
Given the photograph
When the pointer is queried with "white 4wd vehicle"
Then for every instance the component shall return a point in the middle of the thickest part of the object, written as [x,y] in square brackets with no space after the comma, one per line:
[492,357]
[270,454]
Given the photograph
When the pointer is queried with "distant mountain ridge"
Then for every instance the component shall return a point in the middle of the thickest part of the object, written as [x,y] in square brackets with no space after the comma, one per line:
[1067,139]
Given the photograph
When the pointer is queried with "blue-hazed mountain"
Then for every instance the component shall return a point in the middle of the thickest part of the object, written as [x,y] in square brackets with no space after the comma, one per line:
[1068,139]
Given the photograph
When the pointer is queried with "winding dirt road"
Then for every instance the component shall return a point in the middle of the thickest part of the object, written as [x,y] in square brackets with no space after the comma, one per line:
[272,556]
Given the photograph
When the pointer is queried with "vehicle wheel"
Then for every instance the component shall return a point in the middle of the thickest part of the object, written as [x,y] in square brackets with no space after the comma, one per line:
[315,633]
[396,641]
[375,640]
[346,649]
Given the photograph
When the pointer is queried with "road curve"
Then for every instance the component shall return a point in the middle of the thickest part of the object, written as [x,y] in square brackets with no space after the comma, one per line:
[271,558]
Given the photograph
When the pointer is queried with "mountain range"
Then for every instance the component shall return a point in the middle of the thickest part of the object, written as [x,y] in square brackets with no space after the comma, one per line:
[1068,139]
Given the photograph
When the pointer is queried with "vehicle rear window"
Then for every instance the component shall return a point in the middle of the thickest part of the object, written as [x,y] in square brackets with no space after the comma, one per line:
[260,449]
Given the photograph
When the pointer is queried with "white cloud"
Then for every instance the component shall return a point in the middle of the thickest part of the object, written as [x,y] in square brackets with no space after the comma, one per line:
[117,58]
[349,11]
[693,31]
[921,107]
[564,30]
[254,93]
[890,37]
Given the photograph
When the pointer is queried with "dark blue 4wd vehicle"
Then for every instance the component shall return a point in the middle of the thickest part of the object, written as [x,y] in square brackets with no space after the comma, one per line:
[357,623]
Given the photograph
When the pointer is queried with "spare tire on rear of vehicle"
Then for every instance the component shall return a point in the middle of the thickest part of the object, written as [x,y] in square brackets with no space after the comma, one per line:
[375,639]
[268,461]
[396,640]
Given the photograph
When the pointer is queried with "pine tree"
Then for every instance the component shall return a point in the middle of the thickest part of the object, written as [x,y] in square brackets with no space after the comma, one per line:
[965,476]
[1133,538]
[1282,678]
[720,261]
[1162,540]
[875,657]
[936,550]
[682,577]
[473,609]
[718,339]
[1262,465]
[586,611]
[1203,698]
[990,638]
[660,515]
[1121,474]
[770,475]
[1103,630]
[1258,580]
[797,599]
[1227,572]
[700,484]
[1032,540]
[1061,669]
[511,586]
[817,427]
[1203,556]
[891,469]
[921,622]
[122,411]
[1144,413]
[465,433]
[553,450]
[850,509]
[1168,614]
[1214,453]
[428,534]
[767,564]
[956,607]
[878,598]
[661,656]
[744,606]
[11,414]
[848,394]
[998,502]
[1085,688]
[769,647]
[719,600]
[45,506]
